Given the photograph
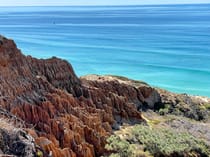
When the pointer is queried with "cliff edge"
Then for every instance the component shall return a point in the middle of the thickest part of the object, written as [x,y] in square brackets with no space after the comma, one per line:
[69,116]
[66,116]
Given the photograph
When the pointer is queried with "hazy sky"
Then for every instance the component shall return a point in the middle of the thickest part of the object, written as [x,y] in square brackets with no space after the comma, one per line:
[93,2]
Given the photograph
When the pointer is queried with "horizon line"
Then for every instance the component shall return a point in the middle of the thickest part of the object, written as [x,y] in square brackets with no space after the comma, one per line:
[108,5]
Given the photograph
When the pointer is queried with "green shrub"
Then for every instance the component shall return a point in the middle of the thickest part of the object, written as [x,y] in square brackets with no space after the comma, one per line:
[39,153]
[119,147]
[164,110]
[167,142]
[192,111]
[145,141]
[207,106]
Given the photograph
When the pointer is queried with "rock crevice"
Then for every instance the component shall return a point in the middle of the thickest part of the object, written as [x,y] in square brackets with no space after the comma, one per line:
[70,116]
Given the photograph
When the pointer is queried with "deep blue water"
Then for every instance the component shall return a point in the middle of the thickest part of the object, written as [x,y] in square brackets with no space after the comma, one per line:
[166,46]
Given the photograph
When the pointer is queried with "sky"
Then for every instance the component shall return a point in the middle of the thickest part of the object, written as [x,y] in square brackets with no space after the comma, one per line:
[94,2]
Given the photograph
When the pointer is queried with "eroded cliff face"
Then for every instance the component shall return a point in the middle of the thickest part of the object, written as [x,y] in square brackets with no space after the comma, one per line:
[67,116]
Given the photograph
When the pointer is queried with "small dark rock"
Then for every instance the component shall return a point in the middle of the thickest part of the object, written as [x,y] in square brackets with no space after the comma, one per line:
[16,143]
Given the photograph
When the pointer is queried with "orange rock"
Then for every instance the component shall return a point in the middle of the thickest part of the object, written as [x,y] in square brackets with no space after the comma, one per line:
[68,116]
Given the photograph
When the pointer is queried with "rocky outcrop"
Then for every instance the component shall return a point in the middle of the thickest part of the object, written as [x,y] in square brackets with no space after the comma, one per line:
[68,116]
[15,141]
[128,94]
[194,107]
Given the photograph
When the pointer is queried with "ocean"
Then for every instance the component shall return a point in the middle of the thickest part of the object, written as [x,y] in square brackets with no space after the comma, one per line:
[167,46]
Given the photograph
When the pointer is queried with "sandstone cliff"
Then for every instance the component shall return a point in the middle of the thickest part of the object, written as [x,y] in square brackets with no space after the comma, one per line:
[67,116]
[54,113]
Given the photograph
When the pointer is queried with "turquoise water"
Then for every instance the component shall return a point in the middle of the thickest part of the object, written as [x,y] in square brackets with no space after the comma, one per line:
[166,46]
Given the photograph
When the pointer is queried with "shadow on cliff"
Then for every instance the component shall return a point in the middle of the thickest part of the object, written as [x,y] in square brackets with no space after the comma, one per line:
[67,116]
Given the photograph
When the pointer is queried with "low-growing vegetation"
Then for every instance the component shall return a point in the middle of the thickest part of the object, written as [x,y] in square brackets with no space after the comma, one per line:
[207,106]
[158,142]
[167,142]
[192,111]
[121,148]
[136,82]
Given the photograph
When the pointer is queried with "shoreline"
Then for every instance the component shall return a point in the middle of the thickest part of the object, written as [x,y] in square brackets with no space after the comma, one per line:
[63,115]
